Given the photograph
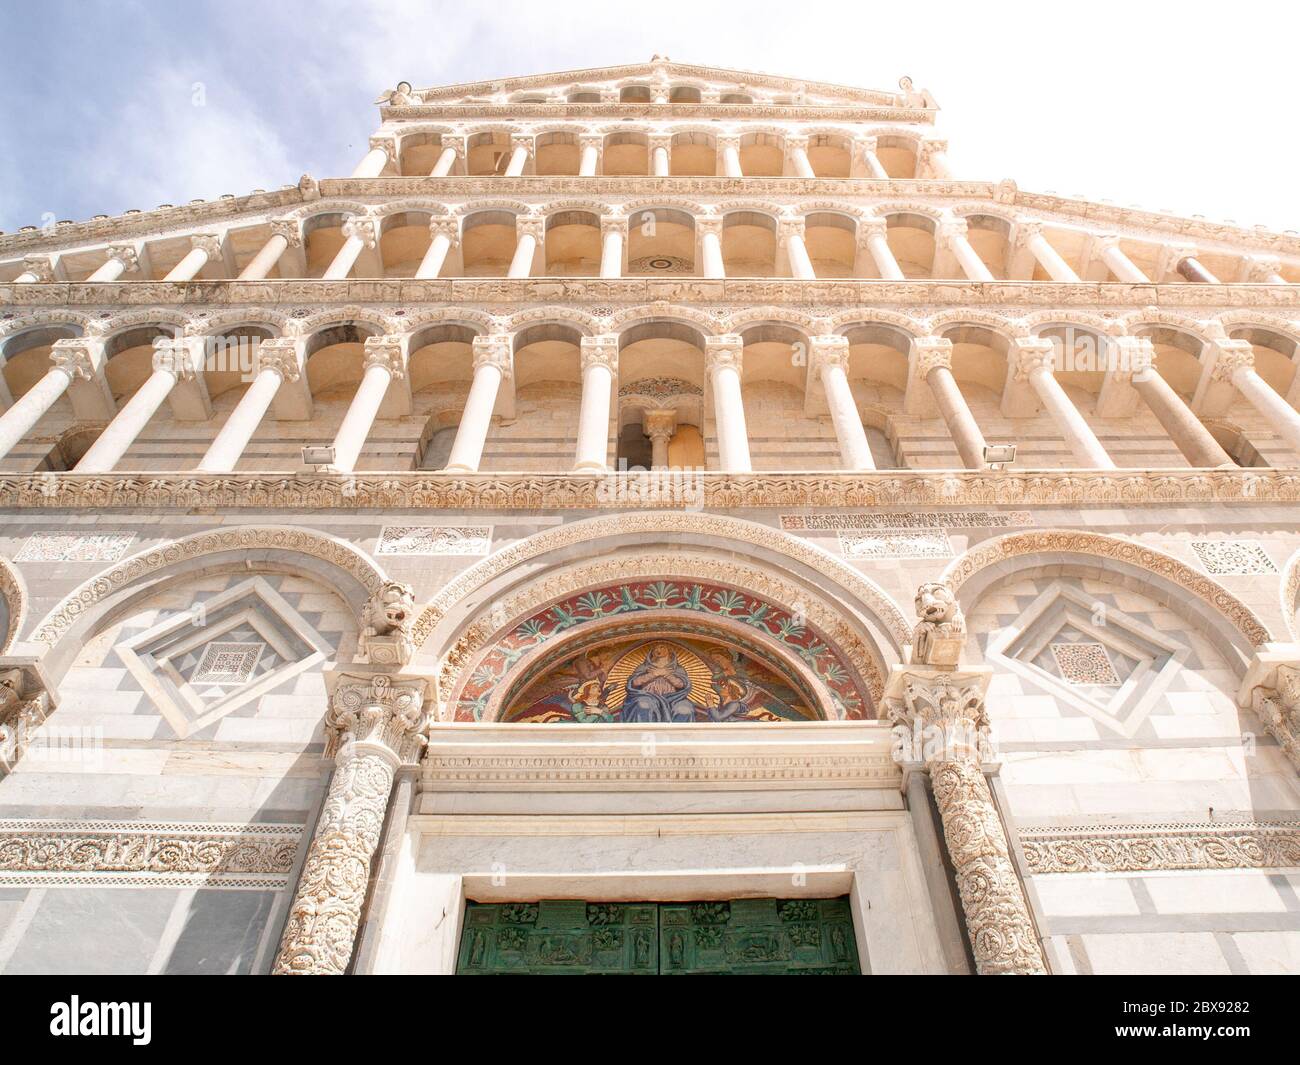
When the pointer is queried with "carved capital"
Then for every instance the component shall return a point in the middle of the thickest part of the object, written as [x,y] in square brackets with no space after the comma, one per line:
[456,144]
[289,229]
[40,266]
[385,352]
[931,353]
[862,147]
[182,357]
[795,141]
[724,352]
[660,140]
[494,350]
[1031,355]
[659,425]
[600,351]
[24,705]
[386,144]
[1231,356]
[362,229]
[73,358]
[828,350]
[787,228]
[952,230]
[613,223]
[1133,355]
[1260,269]
[1025,232]
[208,243]
[728,140]
[1278,708]
[280,355]
[938,714]
[591,139]
[521,140]
[870,228]
[445,226]
[126,255]
[527,225]
[708,225]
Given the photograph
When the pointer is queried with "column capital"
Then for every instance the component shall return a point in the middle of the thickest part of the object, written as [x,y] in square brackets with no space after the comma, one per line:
[828,350]
[445,226]
[591,139]
[363,229]
[25,702]
[931,353]
[1031,355]
[613,223]
[522,140]
[208,243]
[600,350]
[529,225]
[1272,690]
[870,228]
[1170,256]
[1104,241]
[383,712]
[724,352]
[794,141]
[659,424]
[1231,356]
[789,227]
[928,150]
[1025,231]
[182,357]
[385,352]
[1133,355]
[952,229]
[660,140]
[73,358]
[281,355]
[939,713]
[862,144]
[42,266]
[386,143]
[126,254]
[494,349]
[1260,268]
[709,224]
[728,140]
[456,142]
[289,228]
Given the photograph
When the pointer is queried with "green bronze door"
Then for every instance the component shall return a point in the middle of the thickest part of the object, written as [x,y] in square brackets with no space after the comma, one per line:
[758,936]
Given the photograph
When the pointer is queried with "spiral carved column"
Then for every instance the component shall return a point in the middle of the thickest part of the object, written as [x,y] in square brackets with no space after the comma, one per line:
[375,725]
[941,723]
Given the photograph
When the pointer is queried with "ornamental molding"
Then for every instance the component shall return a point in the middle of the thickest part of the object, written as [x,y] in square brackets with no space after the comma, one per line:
[1161,847]
[417,490]
[257,856]
[1093,546]
[328,549]
[509,112]
[857,648]
[841,576]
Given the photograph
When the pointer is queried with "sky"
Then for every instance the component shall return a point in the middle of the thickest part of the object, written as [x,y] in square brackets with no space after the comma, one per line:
[1190,107]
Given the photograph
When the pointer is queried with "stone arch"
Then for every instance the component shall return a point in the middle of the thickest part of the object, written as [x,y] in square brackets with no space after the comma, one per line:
[574,317]
[210,323]
[517,207]
[352,574]
[327,206]
[1289,591]
[451,613]
[668,312]
[1149,316]
[1084,319]
[1007,328]
[12,326]
[905,323]
[13,589]
[1287,327]
[1173,580]
[314,323]
[109,325]
[789,316]
[458,315]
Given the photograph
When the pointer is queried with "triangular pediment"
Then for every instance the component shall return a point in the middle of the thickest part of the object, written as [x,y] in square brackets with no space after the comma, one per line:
[677,74]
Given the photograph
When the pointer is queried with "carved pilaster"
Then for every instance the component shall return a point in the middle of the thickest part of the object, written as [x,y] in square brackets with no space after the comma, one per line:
[940,723]
[374,724]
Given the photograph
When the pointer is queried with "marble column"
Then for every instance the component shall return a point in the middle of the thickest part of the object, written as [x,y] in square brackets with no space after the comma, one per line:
[174,360]
[710,234]
[277,362]
[797,150]
[36,268]
[360,234]
[69,361]
[382,362]
[1120,264]
[659,425]
[1185,429]
[729,154]
[590,145]
[444,234]
[1030,236]
[373,726]
[1191,268]
[873,234]
[451,151]
[661,164]
[205,246]
[613,237]
[382,149]
[722,361]
[284,235]
[599,355]
[789,235]
[865,161]
[953,234]
[122,259]
[941,725]
[492,365]
[829,359]
[1235,362]
[531,232]
[520,149]
[1034,362]
[933,365]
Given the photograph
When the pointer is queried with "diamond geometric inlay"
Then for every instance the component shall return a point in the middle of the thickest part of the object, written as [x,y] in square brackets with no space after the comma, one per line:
[227,663]
[1233,557]
[1085,663]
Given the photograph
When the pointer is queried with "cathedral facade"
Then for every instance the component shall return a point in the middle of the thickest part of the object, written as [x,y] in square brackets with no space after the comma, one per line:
[654,519]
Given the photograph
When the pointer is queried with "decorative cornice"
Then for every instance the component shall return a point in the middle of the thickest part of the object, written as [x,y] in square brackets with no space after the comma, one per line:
[1164,847]
[428,490]
[508,112]
[154,854]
